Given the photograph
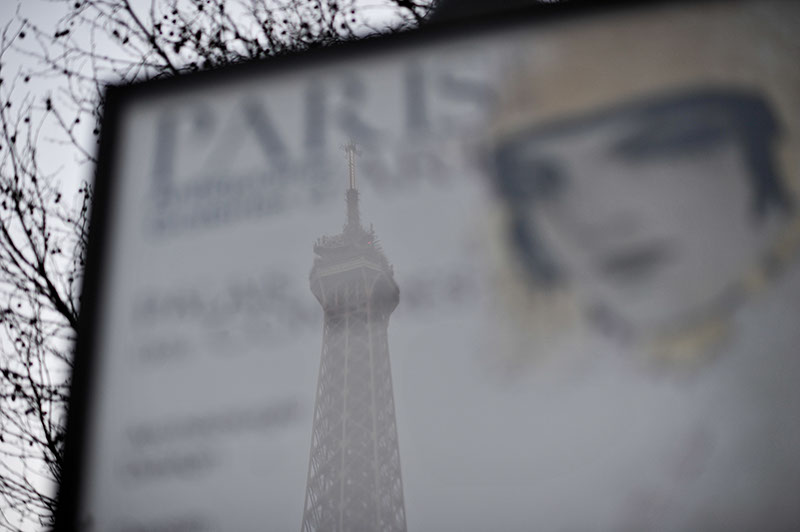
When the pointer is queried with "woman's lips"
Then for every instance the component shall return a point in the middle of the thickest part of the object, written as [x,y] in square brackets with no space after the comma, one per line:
[636,263]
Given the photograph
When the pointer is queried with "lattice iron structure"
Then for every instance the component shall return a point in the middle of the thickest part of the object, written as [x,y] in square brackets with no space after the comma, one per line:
[354,482]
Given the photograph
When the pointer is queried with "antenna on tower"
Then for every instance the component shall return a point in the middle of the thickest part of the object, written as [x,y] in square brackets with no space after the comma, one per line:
[351,149]
[353,221]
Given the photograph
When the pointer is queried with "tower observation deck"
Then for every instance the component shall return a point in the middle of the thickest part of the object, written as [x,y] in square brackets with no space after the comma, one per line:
[354,482]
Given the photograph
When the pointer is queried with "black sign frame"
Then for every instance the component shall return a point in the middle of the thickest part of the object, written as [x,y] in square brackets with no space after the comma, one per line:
[118,97]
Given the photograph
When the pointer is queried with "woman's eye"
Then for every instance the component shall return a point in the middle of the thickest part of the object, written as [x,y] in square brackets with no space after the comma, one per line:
[544,181]
[535,180]
[528,177]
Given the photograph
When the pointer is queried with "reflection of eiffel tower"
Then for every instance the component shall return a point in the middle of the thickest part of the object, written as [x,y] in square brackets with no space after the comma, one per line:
[354,481]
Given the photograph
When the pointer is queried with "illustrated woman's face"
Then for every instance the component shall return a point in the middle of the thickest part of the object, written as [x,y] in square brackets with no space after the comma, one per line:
[648,221]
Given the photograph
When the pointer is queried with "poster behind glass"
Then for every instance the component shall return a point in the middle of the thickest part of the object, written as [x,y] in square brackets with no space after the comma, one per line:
[545,276]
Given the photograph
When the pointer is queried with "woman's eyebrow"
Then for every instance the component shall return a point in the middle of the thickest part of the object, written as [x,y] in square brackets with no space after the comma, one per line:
[665,135]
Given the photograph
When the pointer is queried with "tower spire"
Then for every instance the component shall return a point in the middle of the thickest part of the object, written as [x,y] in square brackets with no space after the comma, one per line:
[351,150]
[353,221]
[354,481]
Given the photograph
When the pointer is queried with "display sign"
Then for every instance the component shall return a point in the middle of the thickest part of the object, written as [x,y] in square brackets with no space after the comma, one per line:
[539,273]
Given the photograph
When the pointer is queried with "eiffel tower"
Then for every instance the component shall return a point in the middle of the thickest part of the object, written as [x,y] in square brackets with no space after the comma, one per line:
[354,481]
